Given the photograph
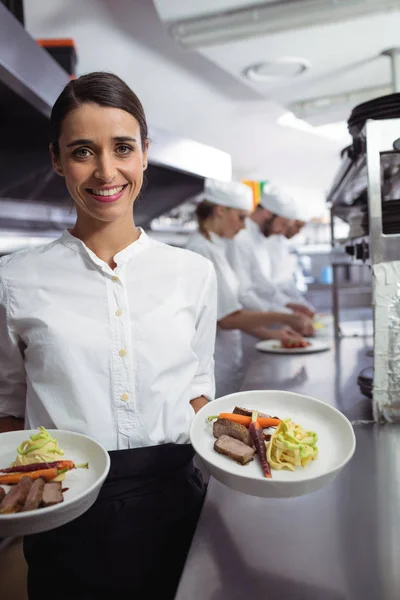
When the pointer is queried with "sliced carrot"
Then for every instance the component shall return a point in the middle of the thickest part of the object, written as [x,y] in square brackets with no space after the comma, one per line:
[242,420]
[13,478]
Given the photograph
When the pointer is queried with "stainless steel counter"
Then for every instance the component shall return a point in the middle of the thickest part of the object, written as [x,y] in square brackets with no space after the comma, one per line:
[340,543]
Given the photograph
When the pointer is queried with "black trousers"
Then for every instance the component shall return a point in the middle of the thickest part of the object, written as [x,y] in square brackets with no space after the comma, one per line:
[134,539]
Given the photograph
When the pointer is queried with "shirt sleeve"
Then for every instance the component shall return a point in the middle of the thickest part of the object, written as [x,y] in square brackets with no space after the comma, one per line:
[203,344]
[12,368]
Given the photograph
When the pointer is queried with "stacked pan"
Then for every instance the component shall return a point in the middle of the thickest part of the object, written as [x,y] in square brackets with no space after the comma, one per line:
[385,107]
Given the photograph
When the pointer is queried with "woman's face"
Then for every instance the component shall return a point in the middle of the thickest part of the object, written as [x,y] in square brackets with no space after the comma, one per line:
[233,220]
[102,160]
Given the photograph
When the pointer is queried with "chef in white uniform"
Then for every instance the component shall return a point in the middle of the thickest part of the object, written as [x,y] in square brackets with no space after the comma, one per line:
[285,268]
[250,257]
[221,215]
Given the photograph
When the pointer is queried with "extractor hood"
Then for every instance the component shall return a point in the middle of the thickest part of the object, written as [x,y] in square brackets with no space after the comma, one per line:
[30,81]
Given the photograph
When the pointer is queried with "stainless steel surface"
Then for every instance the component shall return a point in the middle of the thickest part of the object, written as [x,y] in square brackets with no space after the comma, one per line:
[335,287]
[188,156]
[340,543]
[380,137]
[331,376]
[26,68]
[384,249]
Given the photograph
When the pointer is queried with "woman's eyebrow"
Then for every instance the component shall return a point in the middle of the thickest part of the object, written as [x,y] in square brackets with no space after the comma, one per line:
[85,141]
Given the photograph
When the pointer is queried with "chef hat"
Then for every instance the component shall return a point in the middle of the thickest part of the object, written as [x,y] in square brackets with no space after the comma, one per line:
[228,193]
[279,203]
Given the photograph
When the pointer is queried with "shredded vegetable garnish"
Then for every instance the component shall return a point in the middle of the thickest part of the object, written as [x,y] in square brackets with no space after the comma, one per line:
[291,446]
[40,448]
[38,443]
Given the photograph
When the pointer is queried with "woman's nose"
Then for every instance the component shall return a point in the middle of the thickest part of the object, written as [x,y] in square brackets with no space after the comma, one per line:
[105,169]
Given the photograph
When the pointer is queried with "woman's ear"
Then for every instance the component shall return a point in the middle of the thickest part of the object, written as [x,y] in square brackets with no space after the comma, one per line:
[145,151]
[219,210]
[55,161]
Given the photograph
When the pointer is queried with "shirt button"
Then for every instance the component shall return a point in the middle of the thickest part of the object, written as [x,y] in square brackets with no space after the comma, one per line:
[118,313]
[122,352]
[124,397]
[115,278]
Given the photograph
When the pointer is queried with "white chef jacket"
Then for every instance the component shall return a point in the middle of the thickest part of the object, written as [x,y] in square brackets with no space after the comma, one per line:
[248,255]
[284,265]
[228,345]
[115,354]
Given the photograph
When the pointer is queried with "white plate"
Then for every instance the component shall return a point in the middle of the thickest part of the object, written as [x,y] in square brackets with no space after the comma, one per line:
[83,484]
[336,444]
[274,347]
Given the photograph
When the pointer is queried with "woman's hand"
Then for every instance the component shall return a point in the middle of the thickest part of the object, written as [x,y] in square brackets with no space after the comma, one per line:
[198,403]
[301,324]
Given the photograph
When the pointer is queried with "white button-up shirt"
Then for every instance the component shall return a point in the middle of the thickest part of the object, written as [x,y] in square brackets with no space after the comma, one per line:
[249,257]
[115,354]
[228,347]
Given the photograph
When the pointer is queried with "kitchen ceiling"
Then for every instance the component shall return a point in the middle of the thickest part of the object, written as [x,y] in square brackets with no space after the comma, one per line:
[202,94]
[343,56]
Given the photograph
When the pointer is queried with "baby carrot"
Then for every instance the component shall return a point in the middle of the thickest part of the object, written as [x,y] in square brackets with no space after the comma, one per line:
[13,478]
[58,464]
[257,437]
[242,420]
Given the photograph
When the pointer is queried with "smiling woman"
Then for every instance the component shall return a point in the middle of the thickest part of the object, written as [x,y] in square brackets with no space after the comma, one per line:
[99,145]
[111,334]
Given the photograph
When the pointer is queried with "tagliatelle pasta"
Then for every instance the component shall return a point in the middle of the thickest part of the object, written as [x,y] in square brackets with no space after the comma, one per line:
[291,446]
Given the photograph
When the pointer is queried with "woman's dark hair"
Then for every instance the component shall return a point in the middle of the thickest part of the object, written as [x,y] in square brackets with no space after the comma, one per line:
[204,210]
[104,89]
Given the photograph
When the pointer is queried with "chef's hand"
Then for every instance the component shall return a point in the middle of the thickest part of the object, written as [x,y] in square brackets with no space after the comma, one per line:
[285,334]
[302,309]
[302,324]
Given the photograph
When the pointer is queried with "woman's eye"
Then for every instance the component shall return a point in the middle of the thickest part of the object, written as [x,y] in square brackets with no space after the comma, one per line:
[124,149]
[81,153]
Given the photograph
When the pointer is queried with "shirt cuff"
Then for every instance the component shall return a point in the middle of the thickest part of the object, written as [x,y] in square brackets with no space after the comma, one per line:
[202,386]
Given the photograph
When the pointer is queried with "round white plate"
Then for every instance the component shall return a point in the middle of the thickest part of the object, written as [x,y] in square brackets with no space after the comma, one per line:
[83,484]
[336,444]
[274,347]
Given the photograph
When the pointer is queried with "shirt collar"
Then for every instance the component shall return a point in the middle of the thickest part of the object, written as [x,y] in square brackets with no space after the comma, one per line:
[122,257]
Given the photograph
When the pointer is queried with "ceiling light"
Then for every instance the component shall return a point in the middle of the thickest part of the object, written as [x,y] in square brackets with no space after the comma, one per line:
[265,19]
[282,68]
[333,131]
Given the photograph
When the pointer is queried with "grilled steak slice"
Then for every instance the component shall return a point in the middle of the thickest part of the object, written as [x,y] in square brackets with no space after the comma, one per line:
[52,494]
[249,413]
[2,494]
[35,495]
[235,449]
[15,499]
[234,430]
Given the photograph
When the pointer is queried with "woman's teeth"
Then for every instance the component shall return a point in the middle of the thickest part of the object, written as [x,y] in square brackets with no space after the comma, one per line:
[110,192]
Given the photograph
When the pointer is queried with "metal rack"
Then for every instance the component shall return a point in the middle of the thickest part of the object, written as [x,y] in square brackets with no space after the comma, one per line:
[378,144]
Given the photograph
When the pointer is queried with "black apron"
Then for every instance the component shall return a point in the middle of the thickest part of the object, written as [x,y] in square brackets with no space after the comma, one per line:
[133,540]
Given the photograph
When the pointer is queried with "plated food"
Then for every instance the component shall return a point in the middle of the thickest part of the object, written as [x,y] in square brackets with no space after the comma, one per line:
[43,480]
[306,446]
[294,347]
[245,434]
[34,478]
[295,343]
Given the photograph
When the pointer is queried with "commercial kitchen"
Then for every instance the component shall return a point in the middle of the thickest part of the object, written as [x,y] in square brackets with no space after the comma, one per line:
[300,96]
